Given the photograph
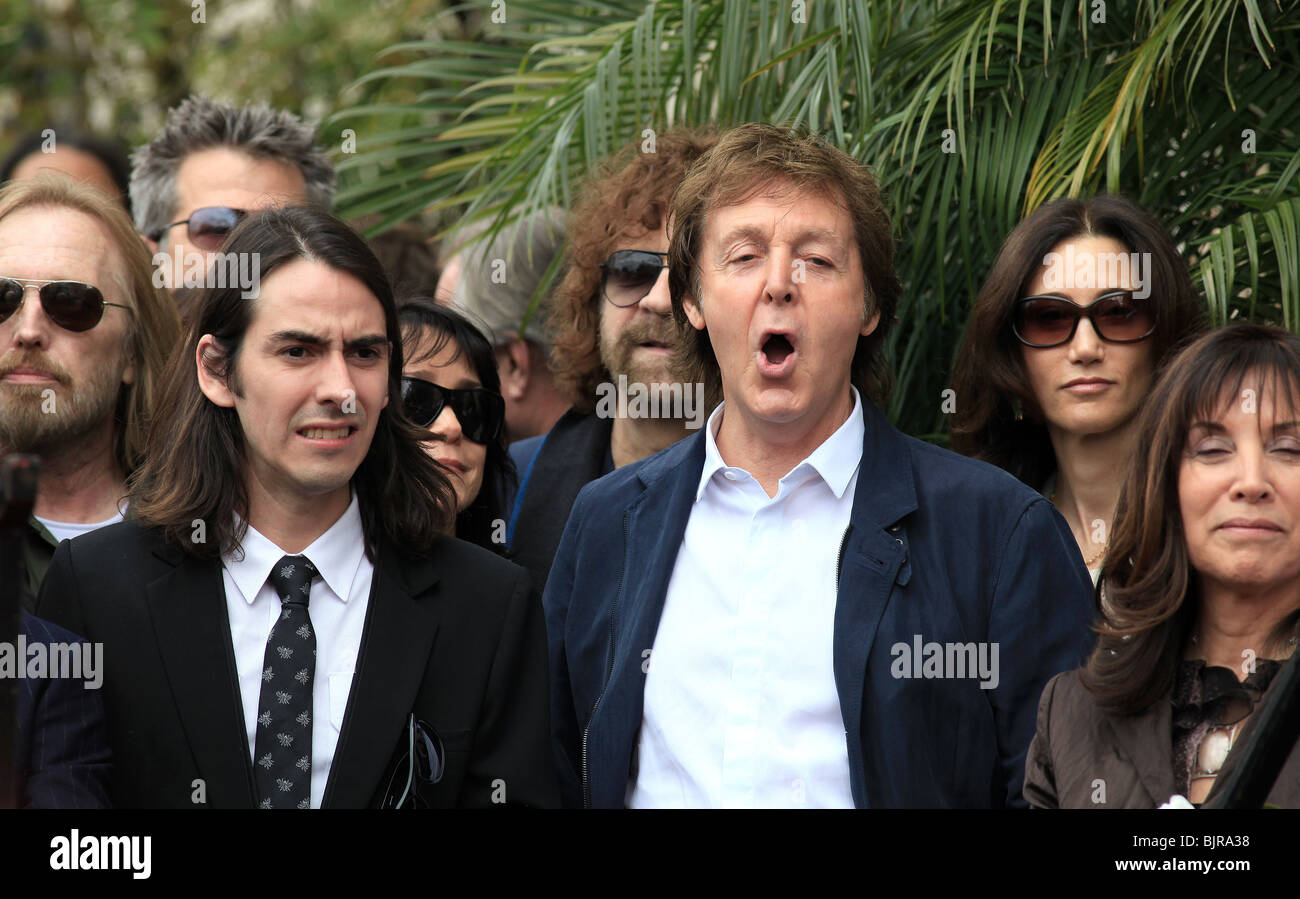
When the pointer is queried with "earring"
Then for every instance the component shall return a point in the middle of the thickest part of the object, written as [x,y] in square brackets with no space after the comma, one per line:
[1017,409]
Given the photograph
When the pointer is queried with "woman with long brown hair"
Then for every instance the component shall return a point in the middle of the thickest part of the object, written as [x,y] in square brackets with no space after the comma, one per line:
[1202,588]
[1086,301]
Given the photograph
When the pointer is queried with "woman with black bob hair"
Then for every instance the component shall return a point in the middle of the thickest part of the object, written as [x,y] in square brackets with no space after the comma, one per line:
[1086,302]
[450,386]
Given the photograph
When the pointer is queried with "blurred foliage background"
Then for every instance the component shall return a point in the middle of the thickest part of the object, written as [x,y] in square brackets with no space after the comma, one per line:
[114,67]
[971,112]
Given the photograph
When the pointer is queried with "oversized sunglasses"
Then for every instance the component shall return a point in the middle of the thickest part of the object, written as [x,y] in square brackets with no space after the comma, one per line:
[1117,317]
[479,411]
[72,305]
[629,275]
[422,762]
[208,227]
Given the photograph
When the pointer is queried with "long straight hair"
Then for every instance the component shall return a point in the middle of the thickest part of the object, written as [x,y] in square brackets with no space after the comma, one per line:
[1152,594]
[989,377]
[427,329]
[194,467]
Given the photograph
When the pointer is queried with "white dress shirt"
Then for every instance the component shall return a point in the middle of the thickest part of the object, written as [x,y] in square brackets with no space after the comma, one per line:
[337,605]
[741,708]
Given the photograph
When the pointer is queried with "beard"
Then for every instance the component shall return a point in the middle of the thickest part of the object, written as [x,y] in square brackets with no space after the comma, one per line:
[46,424]
[617,355]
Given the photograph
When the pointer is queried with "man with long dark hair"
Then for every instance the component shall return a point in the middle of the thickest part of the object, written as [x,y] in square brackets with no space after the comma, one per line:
[285,512]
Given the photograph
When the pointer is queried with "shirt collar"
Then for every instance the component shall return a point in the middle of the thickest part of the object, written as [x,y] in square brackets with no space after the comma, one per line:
[336,554]
[836,460]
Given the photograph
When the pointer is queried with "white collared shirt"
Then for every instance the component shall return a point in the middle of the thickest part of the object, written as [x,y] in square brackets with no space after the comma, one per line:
[741,708]
[337,605]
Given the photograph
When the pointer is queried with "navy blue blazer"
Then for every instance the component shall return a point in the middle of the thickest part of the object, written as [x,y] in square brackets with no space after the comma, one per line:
[63,756]
[938,545]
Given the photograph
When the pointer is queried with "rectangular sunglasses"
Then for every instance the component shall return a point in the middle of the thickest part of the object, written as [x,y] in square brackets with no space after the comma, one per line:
[479,411]
[207,228]
[627,276]
[1048,321]
[72,305]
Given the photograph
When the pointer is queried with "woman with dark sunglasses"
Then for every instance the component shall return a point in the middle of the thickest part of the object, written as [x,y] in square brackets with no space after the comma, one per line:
[450,386]
[1086,301]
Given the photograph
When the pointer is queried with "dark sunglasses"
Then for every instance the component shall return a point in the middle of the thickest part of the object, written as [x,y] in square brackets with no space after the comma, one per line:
[422,761]
[72,305]
[208,227]
[479,411]
[1117,317]
[628,275]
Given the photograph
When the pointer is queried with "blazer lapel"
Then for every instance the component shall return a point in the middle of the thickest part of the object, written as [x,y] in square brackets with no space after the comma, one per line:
[395,646]
[1152,759]
[655,523]
[188,609]
[875,557]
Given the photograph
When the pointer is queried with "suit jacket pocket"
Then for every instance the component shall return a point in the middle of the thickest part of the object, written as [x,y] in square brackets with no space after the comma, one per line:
[456,740]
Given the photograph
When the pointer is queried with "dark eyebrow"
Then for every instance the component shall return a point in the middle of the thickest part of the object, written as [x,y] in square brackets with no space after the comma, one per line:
[368,342]
[1208,425]
[359,343]
[297,337]
[1286,426]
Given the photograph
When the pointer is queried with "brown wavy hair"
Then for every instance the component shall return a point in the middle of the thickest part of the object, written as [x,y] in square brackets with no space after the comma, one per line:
[153,324]
[1151,591]
[194,466]
[626,196]
[745,161]
[989,377]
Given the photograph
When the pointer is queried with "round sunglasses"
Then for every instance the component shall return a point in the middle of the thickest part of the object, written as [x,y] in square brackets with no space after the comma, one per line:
[72,305]
[629,275]
[1117,317]
[480,412]
[206,228]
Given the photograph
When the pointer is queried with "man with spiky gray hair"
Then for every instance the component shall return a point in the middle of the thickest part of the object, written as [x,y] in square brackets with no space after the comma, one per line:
[212,164]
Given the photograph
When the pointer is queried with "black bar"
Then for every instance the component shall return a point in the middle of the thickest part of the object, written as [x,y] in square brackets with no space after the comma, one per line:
[18,476]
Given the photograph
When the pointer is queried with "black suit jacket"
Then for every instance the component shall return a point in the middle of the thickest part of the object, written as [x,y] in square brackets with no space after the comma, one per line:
[62,748]
[457,637]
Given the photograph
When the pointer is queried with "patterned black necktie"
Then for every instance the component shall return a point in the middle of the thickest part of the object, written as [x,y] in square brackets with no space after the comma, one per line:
[283,758]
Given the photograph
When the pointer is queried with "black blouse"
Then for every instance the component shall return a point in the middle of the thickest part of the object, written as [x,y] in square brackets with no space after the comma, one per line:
[1207,697]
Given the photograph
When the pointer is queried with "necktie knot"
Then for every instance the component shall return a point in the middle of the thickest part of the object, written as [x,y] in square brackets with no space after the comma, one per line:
[291,577]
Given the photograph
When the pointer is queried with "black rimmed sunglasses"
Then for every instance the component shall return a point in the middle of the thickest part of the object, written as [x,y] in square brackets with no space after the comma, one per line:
[207,227]
[72,305]
[628,276]
[422,762]
[479,411]
[1117,317]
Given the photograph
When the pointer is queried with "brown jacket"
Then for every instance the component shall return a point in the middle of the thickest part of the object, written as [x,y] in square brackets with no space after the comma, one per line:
[1081,757]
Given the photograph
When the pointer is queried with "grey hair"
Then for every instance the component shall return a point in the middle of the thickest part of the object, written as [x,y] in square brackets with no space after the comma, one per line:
[199,123]
[498,276]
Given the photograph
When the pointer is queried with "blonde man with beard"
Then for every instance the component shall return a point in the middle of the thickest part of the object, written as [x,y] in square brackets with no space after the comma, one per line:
[83,338]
